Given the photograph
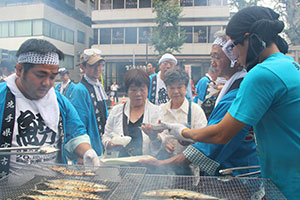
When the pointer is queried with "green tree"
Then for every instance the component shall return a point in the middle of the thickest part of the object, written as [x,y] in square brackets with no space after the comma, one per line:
[167,36]
[240,4]
[290,12]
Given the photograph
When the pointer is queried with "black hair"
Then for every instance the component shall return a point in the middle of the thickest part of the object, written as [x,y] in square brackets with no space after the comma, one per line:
[259,20]
[136,76]
[176,75]
[153,64]
[37,46]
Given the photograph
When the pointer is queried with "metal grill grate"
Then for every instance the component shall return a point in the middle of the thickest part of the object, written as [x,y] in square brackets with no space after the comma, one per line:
[15,185]
[133,185]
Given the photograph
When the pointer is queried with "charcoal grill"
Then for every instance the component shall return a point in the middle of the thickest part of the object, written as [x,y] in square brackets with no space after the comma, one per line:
[133,185]
[29,178]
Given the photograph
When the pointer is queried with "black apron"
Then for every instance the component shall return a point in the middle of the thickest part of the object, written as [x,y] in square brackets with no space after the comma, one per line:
[135,147]
[8,122]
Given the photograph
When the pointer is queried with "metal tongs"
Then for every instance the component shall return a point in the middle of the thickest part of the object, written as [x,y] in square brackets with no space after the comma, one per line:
[30,150]
[230,170]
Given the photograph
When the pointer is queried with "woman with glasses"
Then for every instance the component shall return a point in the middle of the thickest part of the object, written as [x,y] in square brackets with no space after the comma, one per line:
[268,99]
[126,120]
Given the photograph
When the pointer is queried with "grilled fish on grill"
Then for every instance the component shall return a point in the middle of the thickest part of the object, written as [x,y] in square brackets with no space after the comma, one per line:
[177,193]
[70,172]
[69,193]
[41,197]
[76,188]
[78,183]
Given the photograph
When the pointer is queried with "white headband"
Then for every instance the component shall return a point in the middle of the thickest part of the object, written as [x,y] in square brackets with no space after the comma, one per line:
[219,41]
[49,58]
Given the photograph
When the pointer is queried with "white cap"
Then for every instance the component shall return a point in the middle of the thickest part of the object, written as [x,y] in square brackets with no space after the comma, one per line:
[166,57]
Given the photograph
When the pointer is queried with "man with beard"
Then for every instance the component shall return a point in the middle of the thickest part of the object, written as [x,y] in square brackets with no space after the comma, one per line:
[89,97]
[33,113]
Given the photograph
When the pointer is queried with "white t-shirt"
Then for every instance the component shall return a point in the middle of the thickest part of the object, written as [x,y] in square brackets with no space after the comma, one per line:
[30,130]
[114,87]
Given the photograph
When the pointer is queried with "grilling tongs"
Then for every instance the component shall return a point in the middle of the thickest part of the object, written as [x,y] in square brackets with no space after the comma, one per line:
[230,170]
[30,150]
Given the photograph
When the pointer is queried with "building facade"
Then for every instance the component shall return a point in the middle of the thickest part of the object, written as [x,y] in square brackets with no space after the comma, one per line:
[65,23]
[122,28]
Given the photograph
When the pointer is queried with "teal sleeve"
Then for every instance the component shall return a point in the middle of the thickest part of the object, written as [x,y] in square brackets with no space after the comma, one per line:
[255,96]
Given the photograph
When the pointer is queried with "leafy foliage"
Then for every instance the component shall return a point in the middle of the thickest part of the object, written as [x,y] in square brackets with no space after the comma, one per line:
[167,36]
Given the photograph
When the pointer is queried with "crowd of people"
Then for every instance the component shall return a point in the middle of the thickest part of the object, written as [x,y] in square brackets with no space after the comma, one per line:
[246,121]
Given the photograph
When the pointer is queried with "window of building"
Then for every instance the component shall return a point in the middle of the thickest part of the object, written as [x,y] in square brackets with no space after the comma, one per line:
[188,34]
[56,32]
[131,3]
[130,35]
[69,36]
[186,2]
[80,37]
[145,3]
[105,35]
[211,32]
[200,3]
[37,27]
[95,36]
[117,35]
[67,62]
[4,29]
[46,28]
[225,3]
[70,2]
[92,4]
[200,34]
[144,35]
[105,4]
[118,4]
[83,1]
[11,29]
[215,2]
[23,28]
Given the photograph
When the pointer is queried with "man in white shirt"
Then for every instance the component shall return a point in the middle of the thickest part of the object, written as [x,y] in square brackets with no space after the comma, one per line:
[114,88]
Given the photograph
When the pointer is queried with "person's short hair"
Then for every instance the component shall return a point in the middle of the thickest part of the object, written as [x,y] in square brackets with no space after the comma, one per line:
[137,77]
[176,75]
[39,46]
